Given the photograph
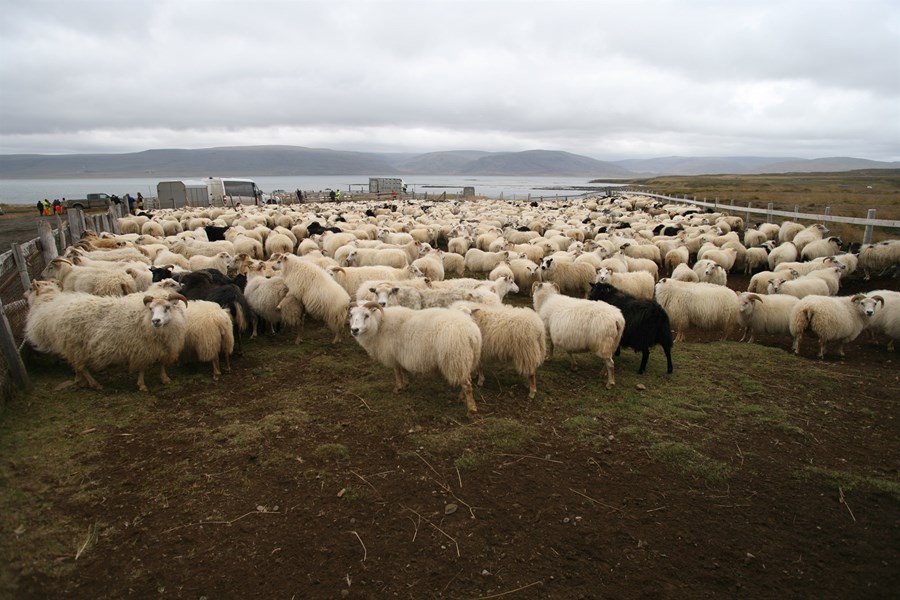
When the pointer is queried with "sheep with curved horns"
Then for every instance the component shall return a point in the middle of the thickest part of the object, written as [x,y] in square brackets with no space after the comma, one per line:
[646,323]
[94,332]
[579,325]
[420,342]
[509,335]
[639,284]
[833,319]
[887,320]
[702,305]
[770,315]
[573,279]
[315,291]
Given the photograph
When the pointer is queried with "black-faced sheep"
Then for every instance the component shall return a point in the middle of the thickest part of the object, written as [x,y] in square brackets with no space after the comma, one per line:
[646,323]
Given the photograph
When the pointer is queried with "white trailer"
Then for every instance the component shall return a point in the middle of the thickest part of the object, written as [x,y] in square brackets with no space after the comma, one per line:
[386,185]
[175,194]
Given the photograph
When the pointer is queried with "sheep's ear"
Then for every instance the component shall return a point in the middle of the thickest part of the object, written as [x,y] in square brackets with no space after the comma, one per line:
[534,286]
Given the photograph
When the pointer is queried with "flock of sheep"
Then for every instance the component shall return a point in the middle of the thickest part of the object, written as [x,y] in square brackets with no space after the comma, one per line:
[424,286]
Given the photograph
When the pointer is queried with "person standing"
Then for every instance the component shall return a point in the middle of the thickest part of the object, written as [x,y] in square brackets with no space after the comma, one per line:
[299,195]
[57,206]
[46,207]
[40,207]
[130,199]
[140,201]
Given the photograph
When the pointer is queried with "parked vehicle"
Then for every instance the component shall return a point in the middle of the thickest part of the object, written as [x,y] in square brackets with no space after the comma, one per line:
[90,202]
[386,185]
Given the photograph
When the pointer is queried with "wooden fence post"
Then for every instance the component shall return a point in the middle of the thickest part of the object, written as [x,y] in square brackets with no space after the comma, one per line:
[22,266]
[76,223]
[747,220]
[11,353]
[769,212]
[61,232]
[48,244]
[867,234]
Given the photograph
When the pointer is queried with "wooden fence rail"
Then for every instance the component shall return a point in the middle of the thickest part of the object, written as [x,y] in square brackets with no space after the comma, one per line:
[869,222]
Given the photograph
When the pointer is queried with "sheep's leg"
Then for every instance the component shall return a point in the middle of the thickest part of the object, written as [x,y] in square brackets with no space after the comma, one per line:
[796,345]
[399,379]
[667,348]
[299,337]
[163,376]
[480,372]
[744,335]
[469,397]
[227,362]
[822,344]
[532,385]
[215,368]
[253,323]
[574,364]
[679,336]
[645,355]
[840,348]
[88,379]
[142,386]
[610,372]
[337,336]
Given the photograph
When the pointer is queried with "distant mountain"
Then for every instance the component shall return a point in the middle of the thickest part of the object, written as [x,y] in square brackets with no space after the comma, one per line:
[698,165]
[543,162]
[824,165]
[244,160]
[439,163]
[299,160]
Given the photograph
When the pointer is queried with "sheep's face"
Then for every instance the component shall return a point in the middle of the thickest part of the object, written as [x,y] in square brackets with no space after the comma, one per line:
[160,311]
[545,264]
[868,306]
[362,320]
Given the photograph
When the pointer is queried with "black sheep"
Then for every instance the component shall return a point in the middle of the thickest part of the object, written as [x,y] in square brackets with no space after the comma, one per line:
[646,322]
[215,233]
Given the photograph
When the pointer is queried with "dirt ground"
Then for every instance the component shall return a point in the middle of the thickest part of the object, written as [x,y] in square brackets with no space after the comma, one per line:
[300,475]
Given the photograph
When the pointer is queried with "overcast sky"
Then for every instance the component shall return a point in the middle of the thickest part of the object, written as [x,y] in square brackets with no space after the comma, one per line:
[607,79]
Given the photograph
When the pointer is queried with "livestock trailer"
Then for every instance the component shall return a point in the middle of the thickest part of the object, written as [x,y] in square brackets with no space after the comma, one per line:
[175,194]
[386,185]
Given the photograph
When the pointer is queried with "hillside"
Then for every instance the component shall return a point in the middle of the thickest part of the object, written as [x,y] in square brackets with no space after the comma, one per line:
[299,160]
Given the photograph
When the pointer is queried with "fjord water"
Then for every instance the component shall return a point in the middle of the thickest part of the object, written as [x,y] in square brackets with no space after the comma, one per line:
[29,191]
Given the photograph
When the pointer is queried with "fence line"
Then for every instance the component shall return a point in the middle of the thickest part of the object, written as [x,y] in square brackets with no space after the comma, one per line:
[869,222]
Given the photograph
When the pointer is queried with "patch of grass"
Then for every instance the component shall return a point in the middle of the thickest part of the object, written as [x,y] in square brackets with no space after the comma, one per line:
[472,444]
[849,481]
[332,452]
[689,461]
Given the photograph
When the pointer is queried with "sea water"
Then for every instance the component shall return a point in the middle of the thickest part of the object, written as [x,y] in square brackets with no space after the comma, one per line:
[29,191]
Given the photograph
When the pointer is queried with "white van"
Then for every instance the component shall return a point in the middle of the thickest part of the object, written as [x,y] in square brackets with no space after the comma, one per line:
[230,190]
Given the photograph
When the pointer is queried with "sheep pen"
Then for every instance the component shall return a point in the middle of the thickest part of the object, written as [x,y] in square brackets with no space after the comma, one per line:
[310,439]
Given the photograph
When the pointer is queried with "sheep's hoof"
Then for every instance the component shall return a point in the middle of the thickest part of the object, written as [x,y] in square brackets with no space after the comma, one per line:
[610,386]
[65,385]
[143,388]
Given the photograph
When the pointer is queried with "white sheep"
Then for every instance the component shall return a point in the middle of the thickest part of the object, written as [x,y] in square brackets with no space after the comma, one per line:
[350,278]
[800,287]
[724,257]
[509,335]
[684,272]
[887,320]
[677,256]
[420,342]
[756,257]
[639,284]
[848,260]
[821,248]
[454,264]
[710,272]
[209,333]
[573,279]
[94,332]
[264,292]
[702,305]
[525,272]
[810,234]
[219,262]
[786,252]
[99,282]
[479,261]
[579,325]
[759,283]
[878,258]
[388,257]
[764,314]
[833,319]
[315,291]
[431,265]
[277,242]
[831,276]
